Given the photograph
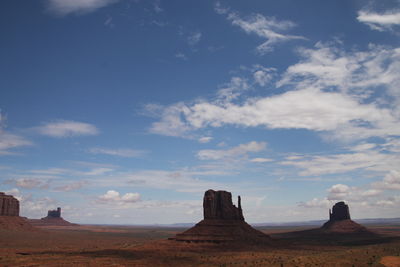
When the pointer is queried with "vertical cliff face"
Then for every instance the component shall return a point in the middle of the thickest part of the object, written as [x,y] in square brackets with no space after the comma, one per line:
[218,205]
[340,211]
[9,206]
[54,213]
[223,222]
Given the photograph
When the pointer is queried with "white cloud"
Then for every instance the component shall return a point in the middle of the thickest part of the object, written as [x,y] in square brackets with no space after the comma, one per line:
[180,181]
[233,153]
[306,109]
[28,183]
[70,186]
[330,92]
[205,139]
[357,74]
[262,76]
[233,89]
[113,197]
[341,163]
[338,192]
[157,6]
[390,182]
[97,171]
[65,7]
[64,128]
[379,21]
[122,152]
[268,28]
[261,160]
[317,203]
[171,123]
[9,141]
[181,56]
[194,38]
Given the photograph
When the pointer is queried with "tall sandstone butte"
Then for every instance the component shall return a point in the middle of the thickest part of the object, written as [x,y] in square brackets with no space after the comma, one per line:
[9,215]
[340,211]
[9,205]
[218,205]
[223,222]
[340,222]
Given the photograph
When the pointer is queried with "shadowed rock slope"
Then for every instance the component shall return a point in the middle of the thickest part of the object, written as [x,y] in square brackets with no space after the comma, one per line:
[340,221]
[223,222]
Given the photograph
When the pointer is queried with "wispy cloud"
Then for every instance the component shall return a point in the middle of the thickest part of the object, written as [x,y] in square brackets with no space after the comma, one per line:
[181,56]
[66,7]
[330,92]
[63,128]
[9,141]
[113,197]
[121,152]
[235,152]
[268,28]
[194,38]
[380,21]
[70,186]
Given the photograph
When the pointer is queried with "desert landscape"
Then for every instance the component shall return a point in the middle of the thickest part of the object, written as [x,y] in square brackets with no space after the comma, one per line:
[207,133]
[223,238]
[92,245]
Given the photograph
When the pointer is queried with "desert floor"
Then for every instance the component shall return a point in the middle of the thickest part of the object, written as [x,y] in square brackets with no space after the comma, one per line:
[91,245]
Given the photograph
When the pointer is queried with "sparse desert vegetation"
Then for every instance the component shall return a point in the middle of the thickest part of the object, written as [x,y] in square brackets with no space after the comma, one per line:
[148,246]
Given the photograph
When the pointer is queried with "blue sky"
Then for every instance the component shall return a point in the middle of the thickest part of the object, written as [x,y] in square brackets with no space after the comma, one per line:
[127,111]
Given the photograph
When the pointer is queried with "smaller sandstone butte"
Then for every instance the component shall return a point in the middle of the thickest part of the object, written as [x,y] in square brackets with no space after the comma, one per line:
[53,218]
[54,213]
[9,215]
[9,205]
[223,222]
[340,222]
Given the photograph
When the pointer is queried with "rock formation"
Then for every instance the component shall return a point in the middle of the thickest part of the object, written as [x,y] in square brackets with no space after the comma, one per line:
[53,218]
[9,206]
[9,215]
[340,211]
[218,205]
[340,222]
[54,213]
[223,222]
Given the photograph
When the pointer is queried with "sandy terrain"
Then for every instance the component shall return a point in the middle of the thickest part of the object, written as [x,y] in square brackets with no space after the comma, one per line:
[148,246]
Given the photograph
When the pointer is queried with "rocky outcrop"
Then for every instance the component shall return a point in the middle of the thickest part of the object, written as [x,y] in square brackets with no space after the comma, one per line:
[53,218]
[223,222]
[218,205]
[54,213]
[340,222]
[9,215]
[9,205]
[340,211]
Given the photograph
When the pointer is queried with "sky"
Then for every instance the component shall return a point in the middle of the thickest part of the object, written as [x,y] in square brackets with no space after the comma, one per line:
[127,111]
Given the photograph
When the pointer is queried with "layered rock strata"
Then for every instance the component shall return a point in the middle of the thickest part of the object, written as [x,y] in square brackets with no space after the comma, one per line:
[9,205]
[223,222]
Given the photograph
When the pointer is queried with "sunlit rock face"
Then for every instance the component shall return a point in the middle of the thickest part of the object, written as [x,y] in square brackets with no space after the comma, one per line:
[9,205]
